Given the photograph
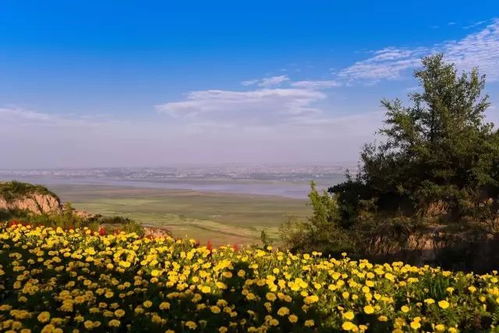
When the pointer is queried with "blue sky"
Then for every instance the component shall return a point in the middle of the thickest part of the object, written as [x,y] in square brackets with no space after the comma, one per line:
[135,83]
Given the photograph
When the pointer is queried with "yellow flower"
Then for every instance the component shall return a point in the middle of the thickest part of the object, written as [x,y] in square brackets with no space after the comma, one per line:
[157,319]
[383,318]
[368,309]
[443,304]
[309,323]
[114,323]
[49,328]
[270,296]
[311,299]
[440,328]
[119,313]
[348,325]
[415,324]
[283,311]
[88,324]
[292,318]
[404,308]
[147,304]
[191,325]
[349,315]
[43,317]
[164,306]
[125,264]
[215,309]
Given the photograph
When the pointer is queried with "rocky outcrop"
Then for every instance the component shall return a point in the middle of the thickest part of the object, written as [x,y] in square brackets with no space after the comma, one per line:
[83,214]
[156,232]
[36,203]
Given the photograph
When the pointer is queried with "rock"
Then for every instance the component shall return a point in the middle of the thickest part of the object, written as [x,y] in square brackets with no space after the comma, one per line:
[156,232]
[84,214]
[35,199]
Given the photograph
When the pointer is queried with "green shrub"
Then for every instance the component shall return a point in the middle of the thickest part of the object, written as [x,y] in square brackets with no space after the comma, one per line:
[13,190]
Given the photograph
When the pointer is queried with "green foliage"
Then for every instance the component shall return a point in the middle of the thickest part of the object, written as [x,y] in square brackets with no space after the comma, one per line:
[322,231]
[439,150]
[434,174]
[132,226]
[67,218]
[13,190]
[264,239]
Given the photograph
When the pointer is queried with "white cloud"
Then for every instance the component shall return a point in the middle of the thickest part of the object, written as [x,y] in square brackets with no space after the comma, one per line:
[20,114]
[477,24]
[14,116]
[477,49]
[320,84]
[273,81]
[260,106]
[249,82]
[267,81]
[387,63]
[30,143]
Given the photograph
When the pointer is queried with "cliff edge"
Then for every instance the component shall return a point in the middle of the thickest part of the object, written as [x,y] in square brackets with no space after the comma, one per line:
[37,199]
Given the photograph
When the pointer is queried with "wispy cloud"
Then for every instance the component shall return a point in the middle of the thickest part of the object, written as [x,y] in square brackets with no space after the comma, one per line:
[24,117]
[319,84]
[47,141]
[21,114]
[476,24]
[477,49]
[259,106]
[387,63]
[267,81]
[249,82]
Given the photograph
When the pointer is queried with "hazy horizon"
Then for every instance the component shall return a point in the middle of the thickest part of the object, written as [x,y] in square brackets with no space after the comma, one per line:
[89,85]
[283,181]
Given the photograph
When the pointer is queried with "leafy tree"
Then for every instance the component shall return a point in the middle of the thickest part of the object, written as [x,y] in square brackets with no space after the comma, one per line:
[435,175]
[320,232]
[438,156]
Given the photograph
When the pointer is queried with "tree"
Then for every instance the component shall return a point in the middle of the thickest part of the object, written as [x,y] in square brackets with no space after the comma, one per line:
[434,176]
[320,232]
[438,154]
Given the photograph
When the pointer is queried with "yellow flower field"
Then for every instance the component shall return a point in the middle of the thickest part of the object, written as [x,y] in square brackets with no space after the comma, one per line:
[53,280]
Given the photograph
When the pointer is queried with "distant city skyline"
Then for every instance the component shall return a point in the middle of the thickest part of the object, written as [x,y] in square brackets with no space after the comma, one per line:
[151,83]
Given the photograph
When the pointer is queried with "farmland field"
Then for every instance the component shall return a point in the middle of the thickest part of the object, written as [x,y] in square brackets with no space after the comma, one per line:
[205,216]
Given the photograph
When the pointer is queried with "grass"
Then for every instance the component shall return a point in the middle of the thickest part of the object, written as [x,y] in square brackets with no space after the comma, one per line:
[13,190]
[205,216]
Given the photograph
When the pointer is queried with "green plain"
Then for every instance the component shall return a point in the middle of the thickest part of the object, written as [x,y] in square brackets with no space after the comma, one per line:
[221,218]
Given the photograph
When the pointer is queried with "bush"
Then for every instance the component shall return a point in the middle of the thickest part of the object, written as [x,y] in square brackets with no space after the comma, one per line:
[13,190]
[321,232]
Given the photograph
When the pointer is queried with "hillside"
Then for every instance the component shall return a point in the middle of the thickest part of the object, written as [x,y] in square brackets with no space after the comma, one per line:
[37,199]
